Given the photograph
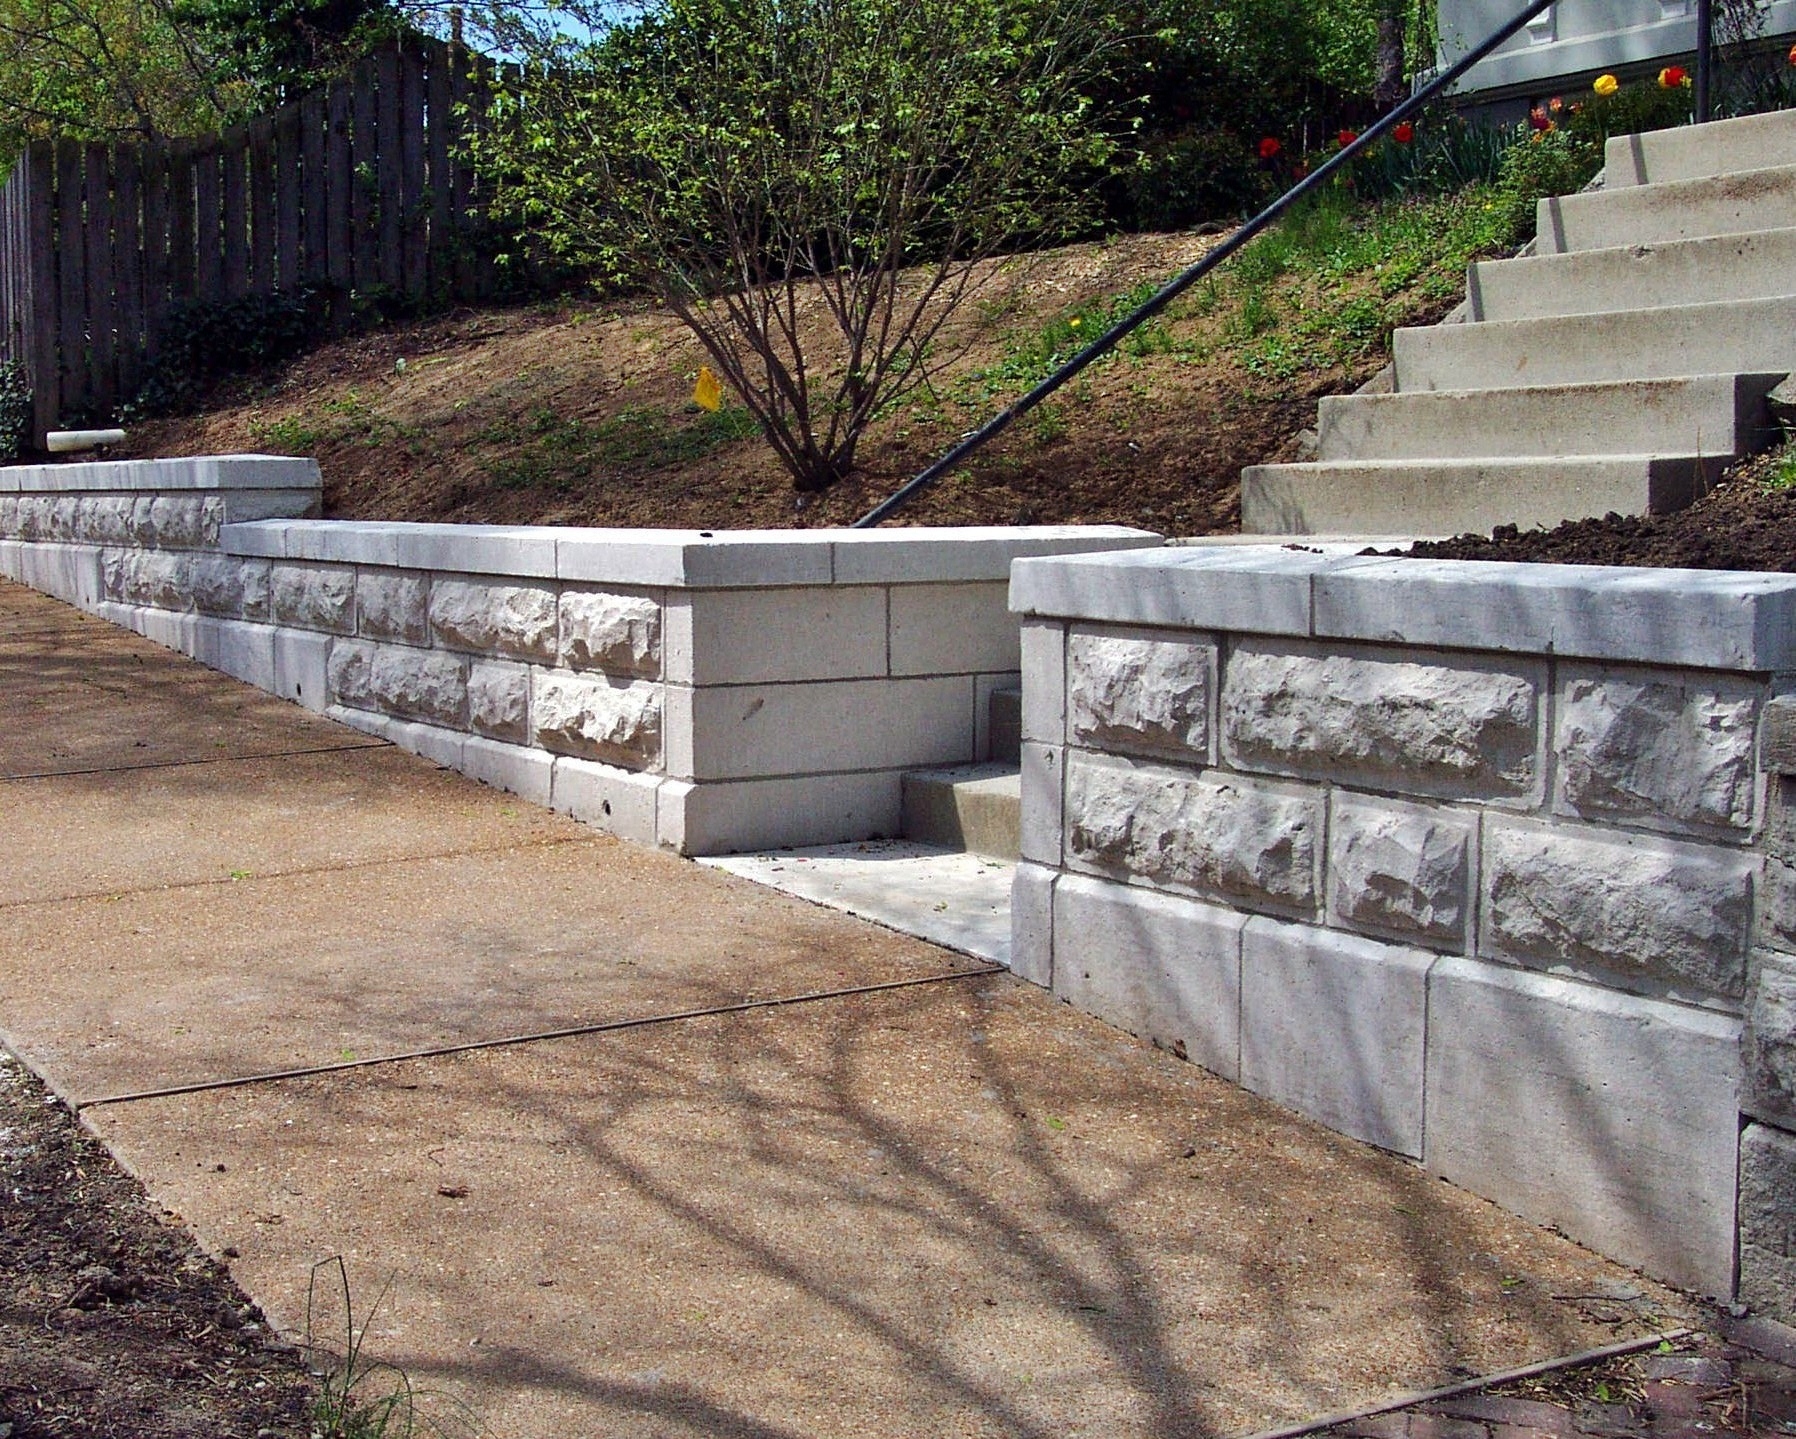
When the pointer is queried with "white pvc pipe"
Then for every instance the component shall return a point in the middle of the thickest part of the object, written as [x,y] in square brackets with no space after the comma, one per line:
[63,442]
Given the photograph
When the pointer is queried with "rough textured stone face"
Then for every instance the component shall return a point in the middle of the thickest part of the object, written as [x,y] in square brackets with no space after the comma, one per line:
[258,603]
[620,634]
[1771,1038]
[1657,910]
[1128,693]
[1400,869]
[179,522]
[104,520]
[582,715]
[65,513]
[315,597]
[1666,753]
[34,517]
[9,517]
[217,585]
[517,620]
[1777,904]
[393,606]
[350,671]
[499,701]
[421,684]
[1219,838]
[1430,727]
[1768,1221]
[148,577]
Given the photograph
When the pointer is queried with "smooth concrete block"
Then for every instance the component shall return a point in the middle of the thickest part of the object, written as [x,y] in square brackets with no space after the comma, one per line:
[1166,969]
[438,745]
[1611,1116]
[975,808]
[1261,589]
[1767,1218]
[614,800]
[1685,272]
[730,817]
[265,539]
[1044,681]
[1457,496]
[1043,794]
[1707,619]
[468,549]
[998,718]
[1688,152]
[952,629]
[362,721]
[525,772]
[1032,923]
[241,650]
[69,572]
[696,559]
[966,553]
[253,506]
[164,627]
[1332,1025]
[767,730]
[770,636]
[301,664]
[205,472]
[1728,204]
[1716,338]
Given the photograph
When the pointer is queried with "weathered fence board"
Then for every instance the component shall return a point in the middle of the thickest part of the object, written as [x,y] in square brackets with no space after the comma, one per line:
[359,186]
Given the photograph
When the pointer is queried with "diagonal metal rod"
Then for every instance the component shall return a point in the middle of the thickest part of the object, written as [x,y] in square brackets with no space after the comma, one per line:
[1176,287]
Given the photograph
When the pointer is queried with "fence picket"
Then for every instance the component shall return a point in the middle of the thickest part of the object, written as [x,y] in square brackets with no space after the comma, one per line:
[339,181]
[102,343]
[439,260]
[287,191]
[363,199]
[389,172]
[233,157]
[46,368]
[260,148]
[311,185]
[127,267]
[155,242]
[409,201]
[182,183]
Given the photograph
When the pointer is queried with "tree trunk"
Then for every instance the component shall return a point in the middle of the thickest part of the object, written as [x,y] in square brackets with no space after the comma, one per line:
[1390,88]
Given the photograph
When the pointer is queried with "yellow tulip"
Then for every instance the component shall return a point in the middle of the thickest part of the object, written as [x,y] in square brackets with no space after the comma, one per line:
[1606,85]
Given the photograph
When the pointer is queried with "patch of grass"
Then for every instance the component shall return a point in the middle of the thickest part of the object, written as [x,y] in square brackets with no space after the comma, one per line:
[552,452]
[347,419]
[1783,471]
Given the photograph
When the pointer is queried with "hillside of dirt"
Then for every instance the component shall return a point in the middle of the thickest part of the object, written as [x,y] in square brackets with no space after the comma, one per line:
[581,413]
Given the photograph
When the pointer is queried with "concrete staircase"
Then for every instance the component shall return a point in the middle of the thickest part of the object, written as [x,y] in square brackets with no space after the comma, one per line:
[977,808]
[1621,367]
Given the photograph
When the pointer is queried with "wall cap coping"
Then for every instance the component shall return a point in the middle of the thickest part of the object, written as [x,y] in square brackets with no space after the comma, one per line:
[681,559]
[1706,619]
[207,472]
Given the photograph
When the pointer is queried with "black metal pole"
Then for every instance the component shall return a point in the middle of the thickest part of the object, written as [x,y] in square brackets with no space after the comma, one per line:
[1704,59]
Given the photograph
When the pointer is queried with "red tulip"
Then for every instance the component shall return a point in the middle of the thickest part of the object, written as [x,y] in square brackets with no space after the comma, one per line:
[1269,148]
[1404,133]
[1671,77]
[1347,137]
[1793,54]
[1537,119]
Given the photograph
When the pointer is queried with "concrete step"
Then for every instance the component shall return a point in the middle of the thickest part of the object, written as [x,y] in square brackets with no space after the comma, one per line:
[1752,266]
[1006,725]
[1677,210]
[1720,415]
[1691,151]
[1734,337]
[977,808]
[1446,497]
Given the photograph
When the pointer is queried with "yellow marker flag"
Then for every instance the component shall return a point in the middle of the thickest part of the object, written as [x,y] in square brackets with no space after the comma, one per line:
[707,394]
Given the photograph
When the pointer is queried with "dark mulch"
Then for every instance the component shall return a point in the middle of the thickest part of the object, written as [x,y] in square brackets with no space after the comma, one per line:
[113,1322]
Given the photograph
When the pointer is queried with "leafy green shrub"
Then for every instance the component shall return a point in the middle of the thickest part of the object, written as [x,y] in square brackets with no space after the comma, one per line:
[15,409]
[199,342]
[1187,178]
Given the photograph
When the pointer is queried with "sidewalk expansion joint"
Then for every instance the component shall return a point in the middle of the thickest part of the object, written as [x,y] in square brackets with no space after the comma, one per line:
[607,1026]
[185,763]
[349,867]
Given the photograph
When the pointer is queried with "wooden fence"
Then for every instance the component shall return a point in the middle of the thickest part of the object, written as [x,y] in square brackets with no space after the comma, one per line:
[357,188]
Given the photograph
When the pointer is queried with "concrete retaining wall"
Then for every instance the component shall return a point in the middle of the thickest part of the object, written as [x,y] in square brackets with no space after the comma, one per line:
[705,692]
[1476,862]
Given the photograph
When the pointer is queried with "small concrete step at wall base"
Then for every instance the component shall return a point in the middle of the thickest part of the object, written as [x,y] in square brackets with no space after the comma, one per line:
[977,808]
[1456,496]
[1690,151]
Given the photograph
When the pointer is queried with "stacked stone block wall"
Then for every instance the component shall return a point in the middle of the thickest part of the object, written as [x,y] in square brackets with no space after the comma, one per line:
[1476,863]
[705,692]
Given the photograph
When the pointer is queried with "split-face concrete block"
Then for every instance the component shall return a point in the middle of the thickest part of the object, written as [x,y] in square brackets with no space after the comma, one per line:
[499,700]
[1332,1025]
[1402,871]
[1770,1048]
[182,522]
[349,674]
[393,605]
[1032,922]
[301,667]
[619,634]
[1214,836]
[1661,915]
[1768,1221]
[423,685]
[528,773]
[160,580]
[952,629]
[614,800]
[315,597]
[1777,736]
[520,621]
[1141,693]
[766,636]
[590,718]
[1165,969]
[1439,725]
[1660,750]
[1044,681]
[1612,1116]
[1042,772]
[217,585]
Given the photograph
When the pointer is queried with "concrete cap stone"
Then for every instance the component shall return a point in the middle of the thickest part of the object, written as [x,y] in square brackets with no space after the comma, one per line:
[208,472]
[880,557]
[1713,619]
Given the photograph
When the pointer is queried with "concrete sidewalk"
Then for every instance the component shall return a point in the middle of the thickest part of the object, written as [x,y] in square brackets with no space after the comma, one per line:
[952,1208]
